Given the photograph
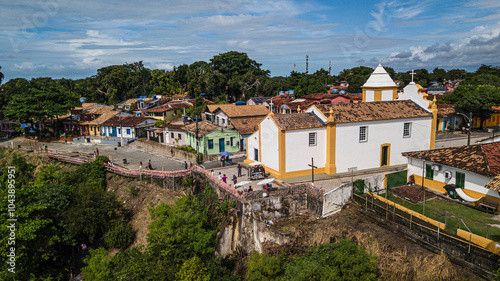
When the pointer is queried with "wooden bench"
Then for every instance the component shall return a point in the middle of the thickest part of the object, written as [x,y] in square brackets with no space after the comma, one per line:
[488,205]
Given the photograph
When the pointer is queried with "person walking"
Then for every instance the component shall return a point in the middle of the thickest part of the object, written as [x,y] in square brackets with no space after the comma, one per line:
[185,165]
[224,178]
[219,176]
[190,165]
[239,170]
[172,151]
[235,179]
[149,165]
[222,161]
[140,165]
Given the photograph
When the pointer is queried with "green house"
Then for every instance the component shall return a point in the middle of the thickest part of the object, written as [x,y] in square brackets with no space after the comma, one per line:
[212,139]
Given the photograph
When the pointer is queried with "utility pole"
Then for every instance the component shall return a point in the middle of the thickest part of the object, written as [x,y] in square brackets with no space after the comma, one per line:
[307,64]
[423,188]
[470,128]
[121,130]
[196,133]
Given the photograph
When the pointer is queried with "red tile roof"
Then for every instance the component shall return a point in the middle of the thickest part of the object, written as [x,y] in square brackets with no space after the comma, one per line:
[368,111]
[170,106]
[125,121]
[296,121]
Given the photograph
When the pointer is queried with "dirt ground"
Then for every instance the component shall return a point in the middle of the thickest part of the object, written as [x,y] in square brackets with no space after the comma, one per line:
[146,196]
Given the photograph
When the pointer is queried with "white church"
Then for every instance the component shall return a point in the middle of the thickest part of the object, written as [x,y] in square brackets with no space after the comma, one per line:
[347,136]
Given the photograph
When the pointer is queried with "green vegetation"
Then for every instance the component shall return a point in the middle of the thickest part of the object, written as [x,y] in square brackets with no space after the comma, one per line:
[341,261]
[56,210]
[475,220]
[181,245]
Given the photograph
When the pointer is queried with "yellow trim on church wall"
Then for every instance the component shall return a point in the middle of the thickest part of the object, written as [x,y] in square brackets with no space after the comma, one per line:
[433,127]
[377,95]
[260,144]
[246,141]
[388,154]
[331,131]
[281,151]
[394,94]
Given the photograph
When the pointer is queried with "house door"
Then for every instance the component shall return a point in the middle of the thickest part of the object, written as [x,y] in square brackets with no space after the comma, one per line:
[384,161]
[114,132]
[221,145]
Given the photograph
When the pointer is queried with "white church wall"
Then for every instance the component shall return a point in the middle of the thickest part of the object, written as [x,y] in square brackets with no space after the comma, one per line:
[299,152]
[350,152]
[253,143]
[269,143]
[410,92]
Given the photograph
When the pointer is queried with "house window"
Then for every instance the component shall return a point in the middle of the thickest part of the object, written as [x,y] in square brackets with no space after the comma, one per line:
[179,136]
[407,130]
[232,141]
[128,131]
[312,139]
[172,135]
[119,131]
[210,144]
[460,179]
[429,172]
[223,121]
[363,133]
[255,154]
[217,120]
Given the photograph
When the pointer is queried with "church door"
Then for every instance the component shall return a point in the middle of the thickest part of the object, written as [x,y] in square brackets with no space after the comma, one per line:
[384,155]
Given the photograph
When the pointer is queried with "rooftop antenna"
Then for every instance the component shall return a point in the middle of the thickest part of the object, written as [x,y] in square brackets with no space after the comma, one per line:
[307,63]
[294,65]
[330,69]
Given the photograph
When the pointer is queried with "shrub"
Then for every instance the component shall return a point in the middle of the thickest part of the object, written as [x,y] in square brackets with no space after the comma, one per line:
[120,235]
[451,128]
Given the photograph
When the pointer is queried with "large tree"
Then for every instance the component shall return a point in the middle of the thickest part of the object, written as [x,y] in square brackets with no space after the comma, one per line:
[1,76]
[475,99]
[234,73]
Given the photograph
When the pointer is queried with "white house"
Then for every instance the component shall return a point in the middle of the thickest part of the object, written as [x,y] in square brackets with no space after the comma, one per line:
[129,127]
[346,136]
[473,167]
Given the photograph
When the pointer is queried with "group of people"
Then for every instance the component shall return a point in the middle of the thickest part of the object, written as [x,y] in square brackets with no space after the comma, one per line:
[96,152]
[186,165]
[148,167]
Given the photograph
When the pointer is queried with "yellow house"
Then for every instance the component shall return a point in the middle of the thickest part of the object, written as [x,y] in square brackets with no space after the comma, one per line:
[169,111]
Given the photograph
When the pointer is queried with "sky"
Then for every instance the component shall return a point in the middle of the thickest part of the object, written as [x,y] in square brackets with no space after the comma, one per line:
[72,39]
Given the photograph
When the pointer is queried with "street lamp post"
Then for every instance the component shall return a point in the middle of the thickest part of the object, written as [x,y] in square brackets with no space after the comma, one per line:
[469,124]
[423,188]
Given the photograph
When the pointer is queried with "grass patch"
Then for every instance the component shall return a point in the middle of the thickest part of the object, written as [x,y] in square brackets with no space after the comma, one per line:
[476,220]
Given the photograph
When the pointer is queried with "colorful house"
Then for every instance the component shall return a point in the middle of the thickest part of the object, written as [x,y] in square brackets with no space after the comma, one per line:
[212,139]
[129,127]
[169,111]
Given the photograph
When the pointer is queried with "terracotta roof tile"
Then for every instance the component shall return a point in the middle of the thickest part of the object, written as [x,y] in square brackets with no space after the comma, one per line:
[170,106]
[129,102]
[130,121]
[296,121]
[494,184]
[85,105]
[204,127]
[483,159]
[236,111]
[445,110]
[320,96]
[106,116]
[247,126]
[97,110]
[368,111]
